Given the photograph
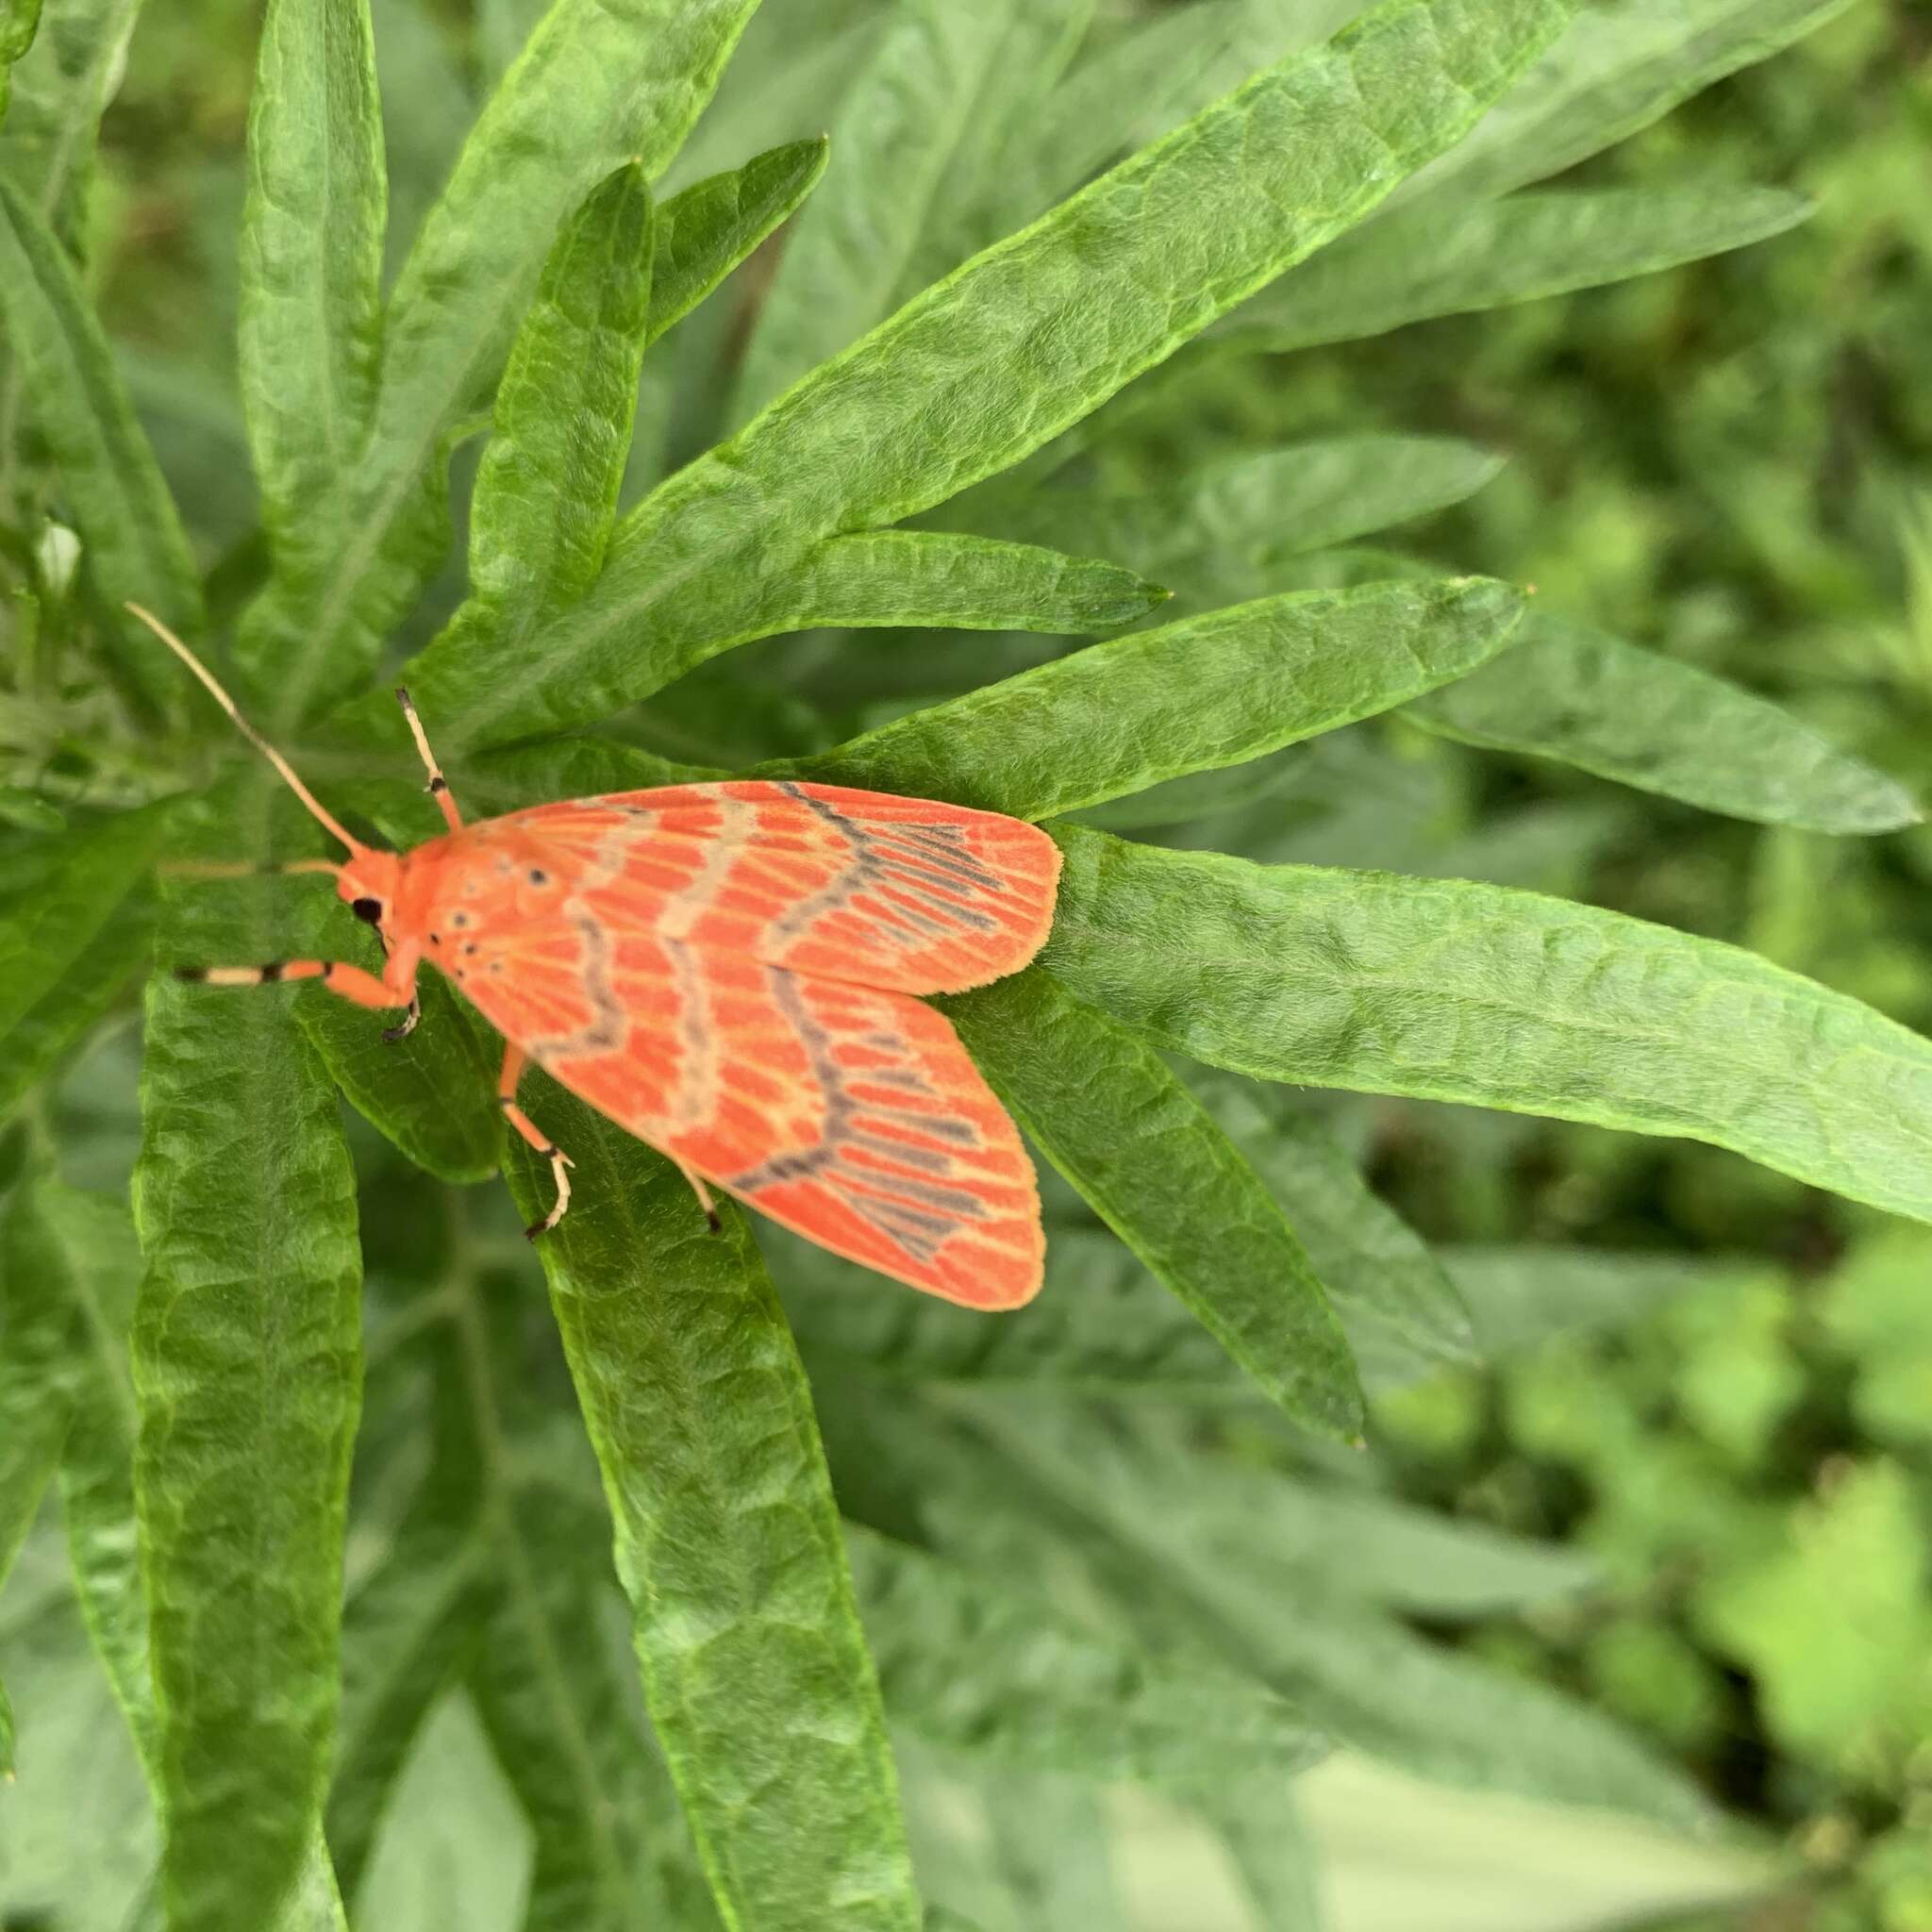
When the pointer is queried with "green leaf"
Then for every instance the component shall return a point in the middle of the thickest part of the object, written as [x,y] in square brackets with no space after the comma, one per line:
[555,1692]
[1271,1850]
[1216,532]
[1834,1625]
[1136,1144]
[247,1366]
[1427,260]
[76,927]
[1020,342]
[1398,1308]
[310,329]
[404,1631]
[18,20]
[97,1500]
[546,489]
[1101,1324]
[1623,64]
[1199,693]
[707,229]
[1591,700]
[980,1669]
[432,1095]
[591,91]
[931,579]
[888,579]
[1520,1296]
[134,548]
[895,143]
[36,1318]
[60,87]
[1181,1573]
[1496,998]
[1038,41]
[728,1542]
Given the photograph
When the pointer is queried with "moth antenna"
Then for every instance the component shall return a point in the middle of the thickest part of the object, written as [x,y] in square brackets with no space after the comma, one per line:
[317,810]
[223,869]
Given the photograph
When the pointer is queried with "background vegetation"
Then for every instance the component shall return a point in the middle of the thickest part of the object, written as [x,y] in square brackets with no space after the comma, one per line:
[1619,1610]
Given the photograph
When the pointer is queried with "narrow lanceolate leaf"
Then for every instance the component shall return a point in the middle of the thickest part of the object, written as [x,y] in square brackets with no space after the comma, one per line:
[1165,1567]
[1619,68]
[983,1669]
[1102,1325]
[591,89]
[132,536]
[311,273]
[18,20]
[705,231]
[37,1319]
[1227,523]
[247,1364]
[78,907]
[1024,340]
[931,580]
[404,1633]
[727,1539]
[1039,41]
[1396,1304]
[1496,998]
[1430,260]
[60,87]
[1136,1144]
[96,1274]
[433,1095]
[554,1692]
[1520,1296]
[893,145]
[97,1502]
[1590,699]
[1193,695]
[546,489]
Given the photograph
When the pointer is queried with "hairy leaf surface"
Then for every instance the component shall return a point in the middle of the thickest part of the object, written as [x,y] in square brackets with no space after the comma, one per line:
[1195,694]
[1590,699]
[595,87]
[311,266]
[1019,343]
[76,926]
[1476,994]
[981,1667]
[727,1541]
[1397,1306]
[247,1367]
[707,229]
[1138,1145]
[1427,260]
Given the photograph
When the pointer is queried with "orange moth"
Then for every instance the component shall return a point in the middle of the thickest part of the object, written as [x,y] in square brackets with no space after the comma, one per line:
[728,971]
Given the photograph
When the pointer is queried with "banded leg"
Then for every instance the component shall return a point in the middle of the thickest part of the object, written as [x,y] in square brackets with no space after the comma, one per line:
[514,1061]
[703,1194]
[439,785]
[351,982]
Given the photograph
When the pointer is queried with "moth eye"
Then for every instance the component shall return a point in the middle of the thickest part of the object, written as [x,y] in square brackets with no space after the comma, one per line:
[368,910]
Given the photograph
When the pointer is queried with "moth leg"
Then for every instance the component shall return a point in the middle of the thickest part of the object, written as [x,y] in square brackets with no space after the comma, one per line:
[703,1194]
[439,785]
[351,982]
[560,1163]
[407,1025]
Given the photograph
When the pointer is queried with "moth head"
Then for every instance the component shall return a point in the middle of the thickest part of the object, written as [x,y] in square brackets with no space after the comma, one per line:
[367,884]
